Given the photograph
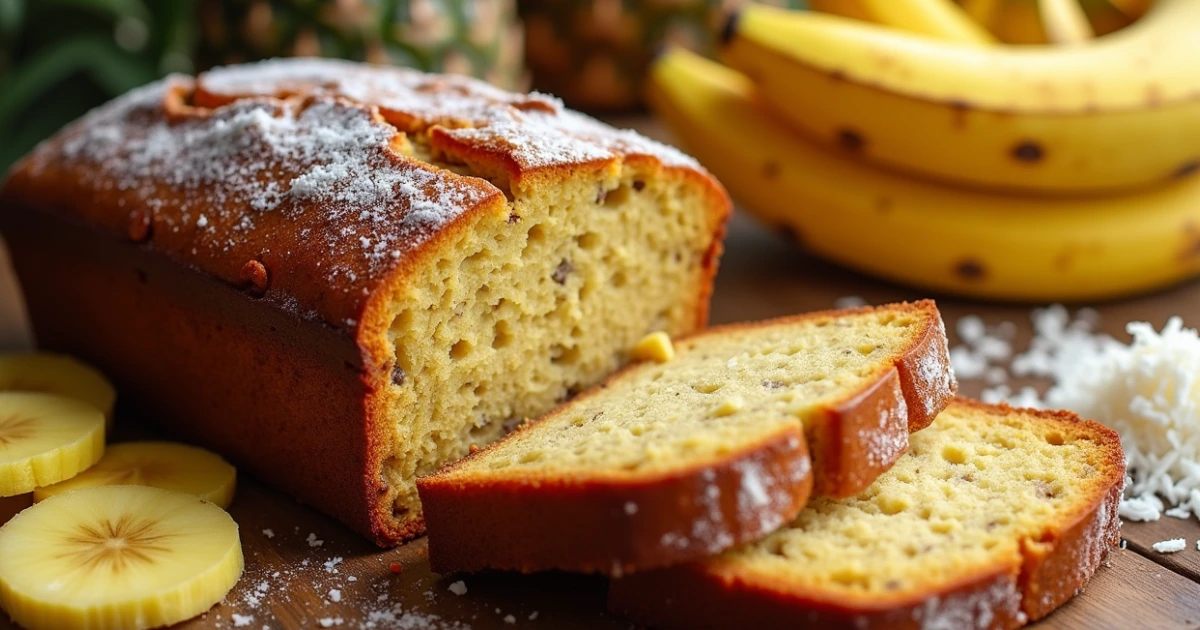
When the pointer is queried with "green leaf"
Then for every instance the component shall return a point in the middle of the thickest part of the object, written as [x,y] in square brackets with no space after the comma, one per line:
[64,103]
[111,8]
[115,70]
[12,14]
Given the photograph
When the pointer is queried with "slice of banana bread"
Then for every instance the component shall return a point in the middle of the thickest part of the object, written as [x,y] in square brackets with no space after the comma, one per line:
[341,276]
[670,461]
[994,518]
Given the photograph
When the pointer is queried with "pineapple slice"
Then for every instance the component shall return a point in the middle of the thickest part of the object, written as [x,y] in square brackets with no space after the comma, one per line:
[57,374]
[45,439]
[127,557]
[166,465]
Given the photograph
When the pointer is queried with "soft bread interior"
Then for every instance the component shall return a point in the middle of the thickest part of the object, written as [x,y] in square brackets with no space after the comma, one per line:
[721,393]
[535,306]
[973,487]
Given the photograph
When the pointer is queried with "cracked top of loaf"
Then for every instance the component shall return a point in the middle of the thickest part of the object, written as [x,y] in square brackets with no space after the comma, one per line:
[313,182]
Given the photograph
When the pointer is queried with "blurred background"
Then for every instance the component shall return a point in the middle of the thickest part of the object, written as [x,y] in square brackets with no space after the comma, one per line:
[59,58]
[1041,150]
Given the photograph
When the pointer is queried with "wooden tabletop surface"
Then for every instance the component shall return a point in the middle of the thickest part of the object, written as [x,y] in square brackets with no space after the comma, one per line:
[347,583]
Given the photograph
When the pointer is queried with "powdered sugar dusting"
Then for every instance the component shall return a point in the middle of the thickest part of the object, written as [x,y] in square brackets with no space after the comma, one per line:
[973,611]
[262,175]
[533,130]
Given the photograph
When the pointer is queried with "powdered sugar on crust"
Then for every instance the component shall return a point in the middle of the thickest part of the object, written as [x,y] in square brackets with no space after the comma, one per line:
[974,611]
[935,372]
[761,498]
[291,177]
[533,130]
[887,442]
[258,179]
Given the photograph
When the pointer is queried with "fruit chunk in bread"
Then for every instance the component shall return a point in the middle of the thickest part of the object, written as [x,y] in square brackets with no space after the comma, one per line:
[671,461]
[129,557]
[340,276]
[995,517]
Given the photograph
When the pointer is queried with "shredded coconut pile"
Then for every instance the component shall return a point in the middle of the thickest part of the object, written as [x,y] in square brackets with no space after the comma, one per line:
[1170,546]
[1148,391]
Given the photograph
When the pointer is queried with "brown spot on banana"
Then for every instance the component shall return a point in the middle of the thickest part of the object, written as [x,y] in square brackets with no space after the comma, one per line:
[1154,96]
[791,233]
[959,110]
[771,170]
[1191,244]
[851,140]
[883,205]
[1187,169]
[1028,151]
[970,270]
[1064,259]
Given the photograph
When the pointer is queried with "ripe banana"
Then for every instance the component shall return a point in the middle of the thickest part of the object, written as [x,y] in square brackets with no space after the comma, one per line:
[937,237]
[1065,22]
[165,465]
[1133,8]
[45,439]
[1016,22]
[126,557]
[1118,112]
[57,374]
[941,19]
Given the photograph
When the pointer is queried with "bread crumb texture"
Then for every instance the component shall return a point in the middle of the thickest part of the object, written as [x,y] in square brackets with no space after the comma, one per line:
[975,489]
[723,390]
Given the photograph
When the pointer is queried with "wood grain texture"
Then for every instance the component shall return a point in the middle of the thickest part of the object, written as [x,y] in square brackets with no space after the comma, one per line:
[762,276]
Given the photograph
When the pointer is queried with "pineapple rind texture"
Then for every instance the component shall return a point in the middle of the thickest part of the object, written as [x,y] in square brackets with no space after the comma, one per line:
[481,38]
[594,53]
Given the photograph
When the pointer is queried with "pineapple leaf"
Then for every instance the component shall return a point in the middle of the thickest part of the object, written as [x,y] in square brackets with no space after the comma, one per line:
[114,70]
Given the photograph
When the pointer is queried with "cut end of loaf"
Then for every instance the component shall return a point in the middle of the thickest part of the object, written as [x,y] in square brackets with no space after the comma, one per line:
[535,305]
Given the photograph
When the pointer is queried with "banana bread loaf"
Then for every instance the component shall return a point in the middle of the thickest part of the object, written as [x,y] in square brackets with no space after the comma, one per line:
[342,276]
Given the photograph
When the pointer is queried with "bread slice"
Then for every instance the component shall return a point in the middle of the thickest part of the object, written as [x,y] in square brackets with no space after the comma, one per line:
[667,462]
[994,518]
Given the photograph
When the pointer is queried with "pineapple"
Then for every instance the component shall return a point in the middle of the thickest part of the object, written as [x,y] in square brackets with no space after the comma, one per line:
[127,557]
[594,53]
[481,38]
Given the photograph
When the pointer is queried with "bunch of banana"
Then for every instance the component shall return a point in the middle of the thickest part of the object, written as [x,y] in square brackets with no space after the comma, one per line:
[1116,113]
[129,537]
[918,231]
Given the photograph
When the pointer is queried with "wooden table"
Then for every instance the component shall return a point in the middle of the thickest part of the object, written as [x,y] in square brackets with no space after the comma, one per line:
[288,583]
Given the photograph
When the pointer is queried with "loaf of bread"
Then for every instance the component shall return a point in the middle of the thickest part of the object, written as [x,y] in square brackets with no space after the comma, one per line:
[994,518]
[342,276]
[672,461]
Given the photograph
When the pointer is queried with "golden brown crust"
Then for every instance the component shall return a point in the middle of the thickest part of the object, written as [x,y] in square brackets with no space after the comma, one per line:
[313,218]
[530,524]
[1047,572]
[620,525]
